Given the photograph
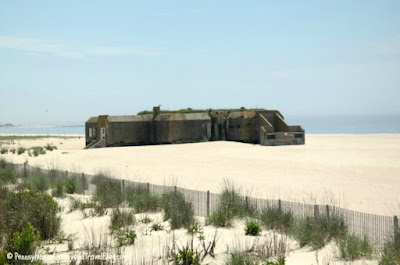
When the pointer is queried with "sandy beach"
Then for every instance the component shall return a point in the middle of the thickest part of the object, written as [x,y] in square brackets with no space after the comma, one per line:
[358,172]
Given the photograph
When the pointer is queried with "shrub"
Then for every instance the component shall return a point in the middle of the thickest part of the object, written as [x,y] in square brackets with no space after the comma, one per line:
[252,228]
[177,209]
[275,218]
[21,150]
[12,150]
[38,150]
[352,247]
[50,147]
[121,219]
[17,209]
[4,151]
[3,257]
[70,185]
[25,242]
[108,193]
[141,200]
[232,204]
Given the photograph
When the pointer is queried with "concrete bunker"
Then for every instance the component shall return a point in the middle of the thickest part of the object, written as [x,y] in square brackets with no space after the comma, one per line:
[257,126]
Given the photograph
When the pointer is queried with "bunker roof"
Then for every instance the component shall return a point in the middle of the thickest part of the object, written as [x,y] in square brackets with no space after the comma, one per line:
[242,114]
[130,118]
[92,120]
[182,116]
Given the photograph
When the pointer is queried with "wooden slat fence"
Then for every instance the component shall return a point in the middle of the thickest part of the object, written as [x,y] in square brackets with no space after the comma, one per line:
[377,228]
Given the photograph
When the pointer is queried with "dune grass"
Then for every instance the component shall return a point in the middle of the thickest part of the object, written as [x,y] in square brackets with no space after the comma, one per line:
[277,219]
[232,205]
[177,209]
[391,252]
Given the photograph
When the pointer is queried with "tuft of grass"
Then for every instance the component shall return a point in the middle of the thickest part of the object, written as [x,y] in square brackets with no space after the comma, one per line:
[194,228]
[176,209]
[141,200]
[70,244]
[70,185]
[58,191]
[145,220]
[274,245]
[156,227]
[126,237]
[252,228]
[316,232]
[277,219]
[38,183]
[241,258]
[281,260]
[108,193]
[352,247]
[75,204]
[232,205]
[185,256]
[121,219]
[8,175]
[391,252]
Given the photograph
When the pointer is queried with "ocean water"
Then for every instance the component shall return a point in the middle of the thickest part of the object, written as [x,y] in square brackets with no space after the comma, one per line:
[312,124]
[347,124]
[43,130]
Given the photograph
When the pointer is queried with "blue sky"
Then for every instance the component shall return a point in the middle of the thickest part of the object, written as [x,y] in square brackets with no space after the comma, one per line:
[68,60]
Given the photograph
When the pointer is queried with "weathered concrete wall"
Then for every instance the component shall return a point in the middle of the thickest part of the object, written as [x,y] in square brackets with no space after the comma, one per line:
[91,130]
[218,125]
[178,128]
[243,127]
[129,133]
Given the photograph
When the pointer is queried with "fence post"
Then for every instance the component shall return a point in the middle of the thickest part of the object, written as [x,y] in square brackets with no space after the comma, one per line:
[396,227]
[316,211]
[208,203]
[247,202]
[83,184]
[327,210]
[148,187]
[175,190]
[25,173]
[122,184]
[280,205]
[53,175]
